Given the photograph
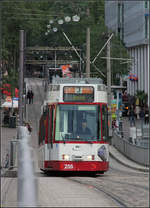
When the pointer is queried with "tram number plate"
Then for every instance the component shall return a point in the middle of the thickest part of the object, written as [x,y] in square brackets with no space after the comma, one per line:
[68,166]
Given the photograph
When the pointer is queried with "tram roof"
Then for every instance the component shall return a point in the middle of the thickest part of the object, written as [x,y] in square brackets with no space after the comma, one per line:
[77,80]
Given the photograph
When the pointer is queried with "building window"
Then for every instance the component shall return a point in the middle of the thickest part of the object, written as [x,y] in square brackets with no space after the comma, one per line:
[146,4]
[146,26]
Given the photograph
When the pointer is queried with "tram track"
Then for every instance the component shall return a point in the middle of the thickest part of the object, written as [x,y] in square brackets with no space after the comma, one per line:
[128,172]
[119,201]
[130,184]
[124,188]
[129,191]
[123,193]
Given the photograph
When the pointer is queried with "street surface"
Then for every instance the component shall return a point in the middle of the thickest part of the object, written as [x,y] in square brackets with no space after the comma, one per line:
[119,187]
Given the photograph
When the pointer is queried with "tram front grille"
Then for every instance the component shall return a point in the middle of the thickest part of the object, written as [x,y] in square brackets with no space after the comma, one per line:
[77,157]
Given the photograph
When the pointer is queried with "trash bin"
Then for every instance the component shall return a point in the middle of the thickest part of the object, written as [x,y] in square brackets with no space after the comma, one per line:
[12,122]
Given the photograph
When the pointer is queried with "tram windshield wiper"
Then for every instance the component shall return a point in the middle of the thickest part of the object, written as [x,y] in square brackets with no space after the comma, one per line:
[63,137]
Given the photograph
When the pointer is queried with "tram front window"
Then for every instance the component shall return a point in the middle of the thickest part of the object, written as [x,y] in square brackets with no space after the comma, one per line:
[77,122]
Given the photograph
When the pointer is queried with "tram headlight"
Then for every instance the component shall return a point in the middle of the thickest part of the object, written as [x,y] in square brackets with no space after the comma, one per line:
[65,157]
[90,157]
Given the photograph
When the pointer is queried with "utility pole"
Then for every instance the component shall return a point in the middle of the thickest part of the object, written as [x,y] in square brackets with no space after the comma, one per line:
[109,88]
[88,48]
[1,73]
[21,66]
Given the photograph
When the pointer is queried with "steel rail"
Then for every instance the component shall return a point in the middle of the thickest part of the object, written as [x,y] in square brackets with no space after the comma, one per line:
[115,198]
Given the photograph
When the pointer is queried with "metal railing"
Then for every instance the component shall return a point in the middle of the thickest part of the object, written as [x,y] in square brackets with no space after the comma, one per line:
[136,153]
[138,135]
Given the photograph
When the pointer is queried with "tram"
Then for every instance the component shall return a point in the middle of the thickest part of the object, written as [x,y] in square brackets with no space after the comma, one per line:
[73,128]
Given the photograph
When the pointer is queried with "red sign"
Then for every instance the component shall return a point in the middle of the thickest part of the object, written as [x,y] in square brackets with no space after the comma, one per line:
[133,77]
[16,92]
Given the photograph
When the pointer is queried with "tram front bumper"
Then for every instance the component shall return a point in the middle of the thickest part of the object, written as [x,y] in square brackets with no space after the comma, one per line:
[76,165]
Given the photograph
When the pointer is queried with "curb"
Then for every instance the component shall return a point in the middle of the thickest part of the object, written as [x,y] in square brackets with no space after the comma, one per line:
[127,165]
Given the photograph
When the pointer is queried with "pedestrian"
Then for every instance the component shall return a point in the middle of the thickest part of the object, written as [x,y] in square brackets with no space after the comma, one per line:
[146,115]
[132,115]
[28,127]
[142,116]
[28,97]
[6,117]
[31,96]
[137,111]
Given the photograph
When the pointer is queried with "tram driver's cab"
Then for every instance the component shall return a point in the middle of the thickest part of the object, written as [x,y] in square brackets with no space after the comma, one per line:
[76,122]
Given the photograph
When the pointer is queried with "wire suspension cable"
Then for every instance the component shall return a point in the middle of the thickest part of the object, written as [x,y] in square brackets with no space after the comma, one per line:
[73,46]
[102,48]
[98,70]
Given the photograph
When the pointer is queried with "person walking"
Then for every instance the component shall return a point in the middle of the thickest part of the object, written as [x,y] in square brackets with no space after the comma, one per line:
[31,96]
[132,115]
[146,115]
[137,111]
[28,97]
[142,116]
[28,126]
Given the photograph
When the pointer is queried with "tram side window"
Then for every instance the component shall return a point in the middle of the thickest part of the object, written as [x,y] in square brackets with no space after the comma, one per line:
[104,122]
[61,124]
[43,129]
[40,132]
[99,123]
[50,124]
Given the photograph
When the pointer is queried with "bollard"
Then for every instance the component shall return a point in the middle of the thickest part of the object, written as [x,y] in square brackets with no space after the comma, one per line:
[27,183]
[13,154]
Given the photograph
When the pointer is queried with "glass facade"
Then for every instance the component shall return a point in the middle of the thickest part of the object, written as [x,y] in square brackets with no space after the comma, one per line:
[146,4]
[135,30]
[146,26]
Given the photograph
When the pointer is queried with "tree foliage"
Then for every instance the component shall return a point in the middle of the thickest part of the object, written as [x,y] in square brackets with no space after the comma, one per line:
[33,16]
[142,96]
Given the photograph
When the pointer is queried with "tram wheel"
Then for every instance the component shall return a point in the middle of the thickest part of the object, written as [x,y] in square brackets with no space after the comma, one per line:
[101,172]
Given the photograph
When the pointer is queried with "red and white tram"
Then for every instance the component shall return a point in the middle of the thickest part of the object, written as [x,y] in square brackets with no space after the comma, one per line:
[73,129]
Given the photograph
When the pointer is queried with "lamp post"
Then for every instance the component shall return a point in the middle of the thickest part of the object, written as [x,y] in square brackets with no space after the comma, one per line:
[109,87]
[88,48]
[21,65]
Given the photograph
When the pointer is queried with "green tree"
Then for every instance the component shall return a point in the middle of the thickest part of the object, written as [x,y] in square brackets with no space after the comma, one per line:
[33,17]
[142,96]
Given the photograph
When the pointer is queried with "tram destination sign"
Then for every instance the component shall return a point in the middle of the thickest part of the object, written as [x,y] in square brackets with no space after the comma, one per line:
[78,94]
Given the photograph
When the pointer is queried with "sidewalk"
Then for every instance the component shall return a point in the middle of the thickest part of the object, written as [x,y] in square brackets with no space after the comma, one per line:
[125,161]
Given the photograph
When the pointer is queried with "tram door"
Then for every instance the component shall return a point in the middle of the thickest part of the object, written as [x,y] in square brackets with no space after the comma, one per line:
[50,129]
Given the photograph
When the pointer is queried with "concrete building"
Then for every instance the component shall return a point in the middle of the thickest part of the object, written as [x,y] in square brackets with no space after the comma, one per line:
[130,20]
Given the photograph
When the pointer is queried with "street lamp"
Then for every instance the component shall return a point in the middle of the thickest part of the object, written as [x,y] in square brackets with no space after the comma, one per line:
[76,18]
[67,19]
